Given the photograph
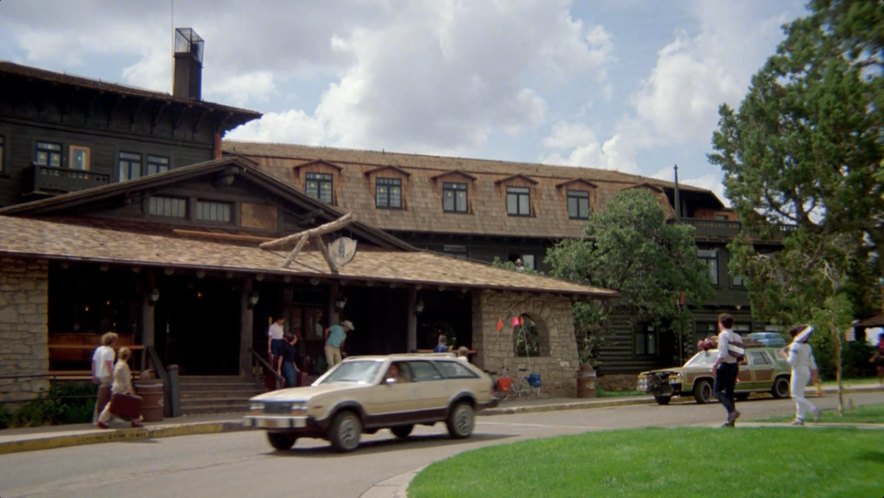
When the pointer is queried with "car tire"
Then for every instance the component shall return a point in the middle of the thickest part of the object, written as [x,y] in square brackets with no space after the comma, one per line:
[703,391]
[781,388]
[461,421]
[402,431]
[344,432]
[281,441]
[662,400]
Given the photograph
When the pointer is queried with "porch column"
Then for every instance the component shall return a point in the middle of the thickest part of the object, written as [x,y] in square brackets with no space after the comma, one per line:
[148,321]
[246,319]
[411,340]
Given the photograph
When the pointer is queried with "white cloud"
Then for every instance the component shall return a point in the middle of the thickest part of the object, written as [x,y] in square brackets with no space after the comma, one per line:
[243,89]
[586,150]
[291,127]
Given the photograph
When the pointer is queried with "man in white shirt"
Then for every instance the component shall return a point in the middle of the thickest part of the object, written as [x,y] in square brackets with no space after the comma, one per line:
[800,358]
[274,339]
[103,371]
[725,367]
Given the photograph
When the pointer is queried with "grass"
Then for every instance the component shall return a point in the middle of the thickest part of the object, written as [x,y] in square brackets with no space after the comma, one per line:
[680,462]
[864,414]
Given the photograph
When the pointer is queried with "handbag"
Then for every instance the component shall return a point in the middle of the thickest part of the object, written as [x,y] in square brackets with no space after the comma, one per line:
[126,405]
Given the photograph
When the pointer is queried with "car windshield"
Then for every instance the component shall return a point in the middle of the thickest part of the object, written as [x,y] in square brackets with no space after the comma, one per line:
[702,358]
[359,372]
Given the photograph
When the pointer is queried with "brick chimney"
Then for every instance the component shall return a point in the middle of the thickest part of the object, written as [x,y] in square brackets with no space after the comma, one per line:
[188,79]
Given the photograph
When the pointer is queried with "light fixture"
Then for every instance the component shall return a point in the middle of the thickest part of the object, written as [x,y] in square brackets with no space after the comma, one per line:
[419,307]
[154,296]
[341,302]
[253,299]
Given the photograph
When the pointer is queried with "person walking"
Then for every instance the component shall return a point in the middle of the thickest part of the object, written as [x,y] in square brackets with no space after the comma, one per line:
[102,371]
[275,340]
[122,384]
[725,367]
[334,340]
[804,369]
[286,364]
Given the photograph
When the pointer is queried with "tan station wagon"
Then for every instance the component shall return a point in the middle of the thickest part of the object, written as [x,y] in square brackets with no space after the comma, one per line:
[763,371]
[366,393]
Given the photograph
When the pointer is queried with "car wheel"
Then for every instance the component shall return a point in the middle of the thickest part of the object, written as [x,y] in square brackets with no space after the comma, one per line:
[345,431]
[402,431]
[703,391]
[461,421]
[780,388]
[281,440]
[662,400]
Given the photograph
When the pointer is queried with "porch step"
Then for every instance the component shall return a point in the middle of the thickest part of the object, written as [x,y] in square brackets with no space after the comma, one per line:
[206,394]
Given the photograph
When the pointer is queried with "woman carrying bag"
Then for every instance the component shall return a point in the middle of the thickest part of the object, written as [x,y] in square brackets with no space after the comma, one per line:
[122,385]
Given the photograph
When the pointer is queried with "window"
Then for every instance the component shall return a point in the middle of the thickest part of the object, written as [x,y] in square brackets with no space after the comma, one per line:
[80,157]
[705,329]
[2,153]
[319,186]
[129,167]
[454,197]
[518,201]
[48,154]
[646,341]
[738,281]
[388,193]
[213,211]
[172,207]
[157,164]
[709,257]
[578,204]
[526,336]
[458,251]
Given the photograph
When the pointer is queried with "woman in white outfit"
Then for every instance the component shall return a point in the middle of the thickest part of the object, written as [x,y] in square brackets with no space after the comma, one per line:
[804,369]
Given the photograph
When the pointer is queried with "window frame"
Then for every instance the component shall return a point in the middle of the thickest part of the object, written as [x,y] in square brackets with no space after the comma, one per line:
[710,259]
[388,185]
[320,180]
[200,204]
[129,163]
[649,339]
[456,190]
[39,147]
[167,200]
[516,195]
[162,164]
[577,196]
[75,153]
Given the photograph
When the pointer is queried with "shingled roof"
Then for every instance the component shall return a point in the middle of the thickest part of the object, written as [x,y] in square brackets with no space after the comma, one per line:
[422,188]
[60,241]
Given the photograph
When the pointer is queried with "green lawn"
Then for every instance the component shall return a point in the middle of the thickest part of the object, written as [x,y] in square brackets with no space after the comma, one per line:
[679,462]
[865,414]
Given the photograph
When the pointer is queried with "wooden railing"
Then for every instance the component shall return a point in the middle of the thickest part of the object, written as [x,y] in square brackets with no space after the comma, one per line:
[49,179]
[269,371]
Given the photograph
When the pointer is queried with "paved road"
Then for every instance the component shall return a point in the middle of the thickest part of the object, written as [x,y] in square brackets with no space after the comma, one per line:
[243,464]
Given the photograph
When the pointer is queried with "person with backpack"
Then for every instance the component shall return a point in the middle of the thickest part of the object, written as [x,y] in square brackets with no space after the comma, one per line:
[725,367]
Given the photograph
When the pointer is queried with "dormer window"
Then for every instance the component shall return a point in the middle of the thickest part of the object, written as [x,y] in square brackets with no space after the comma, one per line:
[578,204]
[388,193]
[518,201]
[454,197]
[319,186]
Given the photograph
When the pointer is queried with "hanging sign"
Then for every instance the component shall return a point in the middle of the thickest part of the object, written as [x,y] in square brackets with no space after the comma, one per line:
[342,250]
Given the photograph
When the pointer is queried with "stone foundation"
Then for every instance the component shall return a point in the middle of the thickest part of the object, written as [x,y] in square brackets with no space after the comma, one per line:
[617,382]
[24,311]
[557,362]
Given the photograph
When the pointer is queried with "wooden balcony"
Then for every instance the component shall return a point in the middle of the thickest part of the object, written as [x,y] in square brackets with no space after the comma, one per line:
[51,180]
[723,230]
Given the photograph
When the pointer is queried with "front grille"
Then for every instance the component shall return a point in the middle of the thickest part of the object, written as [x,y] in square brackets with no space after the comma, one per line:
[278,408]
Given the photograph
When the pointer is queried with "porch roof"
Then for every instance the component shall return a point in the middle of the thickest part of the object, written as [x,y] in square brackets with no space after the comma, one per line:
[53,240]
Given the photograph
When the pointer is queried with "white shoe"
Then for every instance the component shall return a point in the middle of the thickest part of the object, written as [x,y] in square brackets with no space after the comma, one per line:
[797,421]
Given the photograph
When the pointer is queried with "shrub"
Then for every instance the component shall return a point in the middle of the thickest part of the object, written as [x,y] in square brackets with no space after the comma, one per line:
[5,417]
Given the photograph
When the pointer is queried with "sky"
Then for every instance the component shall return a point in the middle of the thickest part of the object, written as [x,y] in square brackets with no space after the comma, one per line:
[627,85]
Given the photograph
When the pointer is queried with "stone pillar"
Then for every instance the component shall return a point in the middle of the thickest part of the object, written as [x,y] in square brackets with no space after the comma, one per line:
[24,314]
[558,361]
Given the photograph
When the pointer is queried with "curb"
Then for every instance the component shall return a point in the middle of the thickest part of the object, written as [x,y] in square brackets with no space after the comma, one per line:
[94,436]
[570,405]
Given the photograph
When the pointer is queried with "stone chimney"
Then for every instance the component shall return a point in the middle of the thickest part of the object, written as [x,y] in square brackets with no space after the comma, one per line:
[188,79]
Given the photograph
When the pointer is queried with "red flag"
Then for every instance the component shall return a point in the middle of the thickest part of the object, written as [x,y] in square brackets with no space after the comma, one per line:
[517,320]
[499,325]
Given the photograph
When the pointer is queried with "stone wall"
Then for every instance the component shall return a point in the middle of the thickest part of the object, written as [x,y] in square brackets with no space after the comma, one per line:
[557,363]
[24,307]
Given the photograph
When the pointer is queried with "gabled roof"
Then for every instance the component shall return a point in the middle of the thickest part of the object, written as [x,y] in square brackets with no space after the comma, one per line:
[230,116]
[387,168]
[314,163]
[516,177]
[454,172]
[577,181]
[83,201]
[62,241]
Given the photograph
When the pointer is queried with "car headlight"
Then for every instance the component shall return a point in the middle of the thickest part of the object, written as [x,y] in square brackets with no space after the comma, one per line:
[642,384]
[256,407]
[675,378]
[299,408]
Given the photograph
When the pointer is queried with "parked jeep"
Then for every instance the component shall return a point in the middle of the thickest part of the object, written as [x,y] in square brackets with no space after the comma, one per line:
[763,370]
